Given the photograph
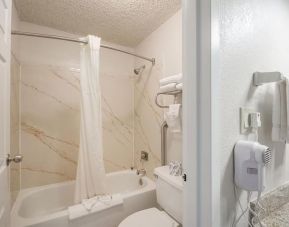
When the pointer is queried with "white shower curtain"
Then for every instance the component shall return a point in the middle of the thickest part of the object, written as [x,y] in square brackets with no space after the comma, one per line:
[90,178]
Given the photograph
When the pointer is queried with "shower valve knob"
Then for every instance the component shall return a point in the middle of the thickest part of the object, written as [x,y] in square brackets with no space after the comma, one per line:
[144,156]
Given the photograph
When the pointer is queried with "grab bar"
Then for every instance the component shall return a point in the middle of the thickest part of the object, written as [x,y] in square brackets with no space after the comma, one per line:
[164,128]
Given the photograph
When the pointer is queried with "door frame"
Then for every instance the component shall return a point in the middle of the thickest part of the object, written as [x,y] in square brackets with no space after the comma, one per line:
[200,45]
[5,54]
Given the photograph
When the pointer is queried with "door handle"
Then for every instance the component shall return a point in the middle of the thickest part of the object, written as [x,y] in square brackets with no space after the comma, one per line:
[16,159]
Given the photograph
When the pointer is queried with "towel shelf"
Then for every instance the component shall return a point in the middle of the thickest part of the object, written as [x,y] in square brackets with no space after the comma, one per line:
[260,78]
[173,93]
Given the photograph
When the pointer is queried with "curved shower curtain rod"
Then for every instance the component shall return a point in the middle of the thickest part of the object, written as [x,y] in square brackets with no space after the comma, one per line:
[152,60]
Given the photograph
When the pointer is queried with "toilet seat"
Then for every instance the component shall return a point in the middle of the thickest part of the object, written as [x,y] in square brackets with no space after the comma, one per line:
[150,217]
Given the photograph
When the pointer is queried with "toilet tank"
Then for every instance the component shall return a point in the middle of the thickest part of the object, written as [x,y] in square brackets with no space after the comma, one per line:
[169,192]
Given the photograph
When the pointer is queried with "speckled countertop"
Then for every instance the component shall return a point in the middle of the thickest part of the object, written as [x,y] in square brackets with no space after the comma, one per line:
[278,218]
[276,207]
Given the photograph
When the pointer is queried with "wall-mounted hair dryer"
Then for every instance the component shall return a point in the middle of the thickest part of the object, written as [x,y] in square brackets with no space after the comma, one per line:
[250,159]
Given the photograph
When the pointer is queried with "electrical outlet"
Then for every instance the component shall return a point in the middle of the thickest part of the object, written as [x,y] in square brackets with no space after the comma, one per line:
[255,120]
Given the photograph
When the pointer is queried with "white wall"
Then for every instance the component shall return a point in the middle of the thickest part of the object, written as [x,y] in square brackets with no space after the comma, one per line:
[253,37]
[165,45]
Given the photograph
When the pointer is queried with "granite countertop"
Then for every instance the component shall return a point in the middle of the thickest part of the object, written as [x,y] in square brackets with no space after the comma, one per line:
[278,218]
[276,207]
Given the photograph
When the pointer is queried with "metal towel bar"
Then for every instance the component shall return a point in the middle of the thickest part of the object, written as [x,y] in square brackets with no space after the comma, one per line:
[174,93]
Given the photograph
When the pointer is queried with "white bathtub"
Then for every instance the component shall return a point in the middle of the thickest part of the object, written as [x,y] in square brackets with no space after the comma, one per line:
[47,206]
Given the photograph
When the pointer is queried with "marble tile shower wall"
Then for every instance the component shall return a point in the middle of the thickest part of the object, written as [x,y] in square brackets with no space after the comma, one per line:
[50,123]
[14,126]
[148,118]
[165,45]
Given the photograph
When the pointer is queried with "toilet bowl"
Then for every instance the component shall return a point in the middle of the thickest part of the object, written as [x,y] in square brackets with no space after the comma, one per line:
[169,196]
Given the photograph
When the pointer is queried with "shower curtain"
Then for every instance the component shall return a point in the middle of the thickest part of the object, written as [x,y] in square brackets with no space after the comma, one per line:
[90,178]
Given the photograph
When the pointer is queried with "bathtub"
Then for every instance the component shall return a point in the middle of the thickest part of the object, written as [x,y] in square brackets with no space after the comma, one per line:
[47,206]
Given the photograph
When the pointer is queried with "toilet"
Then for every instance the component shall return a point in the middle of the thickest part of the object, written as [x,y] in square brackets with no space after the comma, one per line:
[169,197]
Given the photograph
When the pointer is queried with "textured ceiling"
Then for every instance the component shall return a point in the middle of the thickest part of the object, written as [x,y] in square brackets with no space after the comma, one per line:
[126,22]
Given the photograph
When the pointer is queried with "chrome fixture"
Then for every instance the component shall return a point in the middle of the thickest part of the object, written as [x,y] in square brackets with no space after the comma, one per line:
[16,159]
[139,70]
[141,172]
[174,93]
[152,60]
[164,128]
[144,156]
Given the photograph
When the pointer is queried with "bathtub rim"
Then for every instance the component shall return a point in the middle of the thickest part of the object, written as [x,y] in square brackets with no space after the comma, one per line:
[23,194]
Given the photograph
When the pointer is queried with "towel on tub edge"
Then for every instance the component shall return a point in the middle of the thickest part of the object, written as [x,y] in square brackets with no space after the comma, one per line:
[93,205]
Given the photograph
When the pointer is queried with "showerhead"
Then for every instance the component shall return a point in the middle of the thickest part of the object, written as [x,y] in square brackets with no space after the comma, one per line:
[139,70]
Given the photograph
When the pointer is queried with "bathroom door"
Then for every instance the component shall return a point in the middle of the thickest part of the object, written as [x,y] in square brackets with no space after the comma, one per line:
[5,37]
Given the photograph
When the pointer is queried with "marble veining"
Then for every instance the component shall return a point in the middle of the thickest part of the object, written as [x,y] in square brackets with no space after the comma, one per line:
[140,131]
[37,90]
[148,119]
[39,171]
[50,116]
[150,104]
[123,129]
[73,81]
[48,140]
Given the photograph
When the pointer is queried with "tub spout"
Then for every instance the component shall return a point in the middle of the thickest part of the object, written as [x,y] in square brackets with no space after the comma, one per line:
[141,172]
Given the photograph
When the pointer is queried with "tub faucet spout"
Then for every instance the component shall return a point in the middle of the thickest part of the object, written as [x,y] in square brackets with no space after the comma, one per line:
[141,172]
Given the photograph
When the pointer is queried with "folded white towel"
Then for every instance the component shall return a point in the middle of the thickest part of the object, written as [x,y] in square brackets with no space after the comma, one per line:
[280,113]
[90,203]
[171,79]
[93,205]
[173,118]
[168,87]
[179,86]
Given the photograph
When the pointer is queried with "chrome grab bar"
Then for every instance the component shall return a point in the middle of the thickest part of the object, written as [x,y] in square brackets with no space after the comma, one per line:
[164,128]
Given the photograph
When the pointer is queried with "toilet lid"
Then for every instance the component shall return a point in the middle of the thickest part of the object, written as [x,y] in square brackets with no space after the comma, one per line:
[150,217]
